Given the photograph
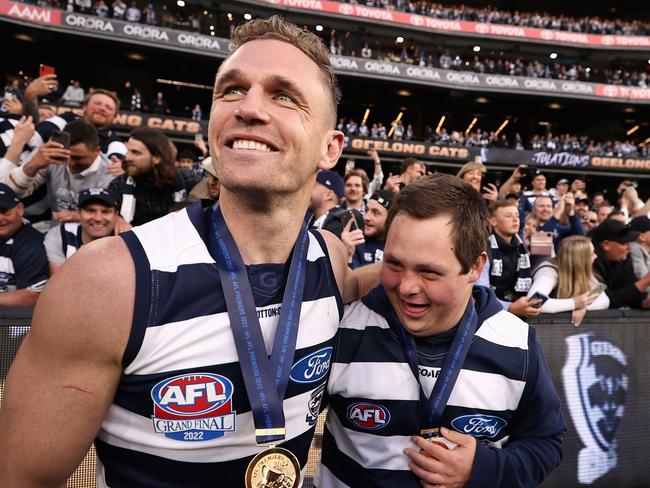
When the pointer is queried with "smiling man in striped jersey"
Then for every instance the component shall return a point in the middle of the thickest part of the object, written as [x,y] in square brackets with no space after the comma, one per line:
[433,383]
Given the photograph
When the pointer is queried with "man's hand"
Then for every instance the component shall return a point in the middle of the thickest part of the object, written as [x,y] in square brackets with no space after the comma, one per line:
[65,216]
[490,192]
[569,204]
[115,168]
[646,302]
[49,153]
[443,467]
[201,146]
[523,307]
[374,155]
[518,173]
[393,182]
[42,86]
[13,106]
[351,238]
[24,130]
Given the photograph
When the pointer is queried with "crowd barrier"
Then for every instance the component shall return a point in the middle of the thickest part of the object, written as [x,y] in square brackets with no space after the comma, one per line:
[601,371]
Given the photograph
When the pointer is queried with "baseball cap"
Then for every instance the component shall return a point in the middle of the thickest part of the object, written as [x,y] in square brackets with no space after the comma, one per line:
[332,180]
[582,199]
[640,224]
[8,197]
[613,230]
[96,195]
[563,181]
[207,166]
[384,198]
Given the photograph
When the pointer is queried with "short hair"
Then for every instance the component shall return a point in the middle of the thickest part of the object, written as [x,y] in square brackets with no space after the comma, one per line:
[471,166]
[408,162]
[275,27]
[365,182]
[81,132]
[102,91]
[159,145]
[442,194]
[497,204]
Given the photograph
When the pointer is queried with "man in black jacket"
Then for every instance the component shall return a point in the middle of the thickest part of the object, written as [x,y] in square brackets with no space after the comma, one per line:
[614,267]
[324,205]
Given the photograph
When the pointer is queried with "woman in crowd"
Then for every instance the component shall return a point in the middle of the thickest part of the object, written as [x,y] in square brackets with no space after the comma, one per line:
[569,282]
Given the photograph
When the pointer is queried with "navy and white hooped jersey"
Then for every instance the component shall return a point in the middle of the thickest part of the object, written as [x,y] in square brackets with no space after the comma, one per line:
[23,262]
[374,398]
[181,415]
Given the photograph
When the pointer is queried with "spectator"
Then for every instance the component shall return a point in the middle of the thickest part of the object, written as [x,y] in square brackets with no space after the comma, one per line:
[410,171]
[538,188]
[133,13]
[197,114]
[185,159]
[589,221]
[74,94]
[614,266]
[604,209]
[356,187]
[640,249]
[561,188]
[367,246]
[581,205]
[101,9]
[209,187]
[568,281]
[472,173]
[97,218]
[149,13]
[119,9]
[159,104]
[508,269]
[324,205]
[151,185]
[136,101]
[24,270]
[67,172]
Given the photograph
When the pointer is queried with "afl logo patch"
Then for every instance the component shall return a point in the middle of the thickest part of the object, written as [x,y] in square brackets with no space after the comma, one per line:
[368,416]
[193,407]
[313,367]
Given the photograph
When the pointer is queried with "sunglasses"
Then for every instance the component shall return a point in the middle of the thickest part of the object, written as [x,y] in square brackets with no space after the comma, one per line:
[591,221]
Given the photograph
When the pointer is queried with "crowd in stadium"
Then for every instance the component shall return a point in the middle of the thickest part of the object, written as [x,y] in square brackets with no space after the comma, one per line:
[131,182]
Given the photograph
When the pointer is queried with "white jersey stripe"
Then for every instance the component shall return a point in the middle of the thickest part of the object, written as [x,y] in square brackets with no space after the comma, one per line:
[505,329]
[131,429]
[205,340]
[473,389]
[328,479]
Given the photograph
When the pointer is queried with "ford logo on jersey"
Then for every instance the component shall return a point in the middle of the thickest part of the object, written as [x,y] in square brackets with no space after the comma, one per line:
[369,416]
[193,407]
[313,367]
[479,425]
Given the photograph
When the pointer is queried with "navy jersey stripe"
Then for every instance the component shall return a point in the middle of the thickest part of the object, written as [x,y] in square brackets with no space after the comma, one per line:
[135,469]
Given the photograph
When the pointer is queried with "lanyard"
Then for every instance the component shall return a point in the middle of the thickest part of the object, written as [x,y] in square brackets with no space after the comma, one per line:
[265,380]
[432,408]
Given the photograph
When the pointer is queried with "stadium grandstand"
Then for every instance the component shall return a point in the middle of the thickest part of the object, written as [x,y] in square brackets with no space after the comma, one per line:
[560,87]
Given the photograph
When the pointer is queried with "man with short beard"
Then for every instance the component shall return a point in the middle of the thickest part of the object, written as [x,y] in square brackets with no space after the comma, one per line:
[367,246]
[151,185]
[98,215]
[356,186]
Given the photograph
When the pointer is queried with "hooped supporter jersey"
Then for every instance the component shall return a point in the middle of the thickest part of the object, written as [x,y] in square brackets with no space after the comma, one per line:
[181,415]
[374,398]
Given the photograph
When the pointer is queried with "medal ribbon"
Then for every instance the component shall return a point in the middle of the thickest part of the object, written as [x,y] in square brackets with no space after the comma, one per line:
[431,408]
[265,380]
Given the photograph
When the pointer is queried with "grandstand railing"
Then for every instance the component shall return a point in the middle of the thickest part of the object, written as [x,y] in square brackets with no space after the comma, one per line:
[601,371]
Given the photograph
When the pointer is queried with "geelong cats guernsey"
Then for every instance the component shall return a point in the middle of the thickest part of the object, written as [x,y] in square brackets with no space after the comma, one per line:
[504,397]
[181,415]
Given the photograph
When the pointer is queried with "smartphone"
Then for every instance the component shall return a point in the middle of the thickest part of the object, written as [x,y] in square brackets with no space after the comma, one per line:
[46,70]
[538,296]
[354,221]
[61,137]
[541,243]
[633,184]
[599,288]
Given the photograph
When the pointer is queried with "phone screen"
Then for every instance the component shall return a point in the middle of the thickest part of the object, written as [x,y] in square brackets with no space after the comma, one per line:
[46,70]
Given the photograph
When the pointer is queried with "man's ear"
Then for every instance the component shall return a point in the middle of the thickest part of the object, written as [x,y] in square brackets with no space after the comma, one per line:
[329,158]
[155,160]
[477,268]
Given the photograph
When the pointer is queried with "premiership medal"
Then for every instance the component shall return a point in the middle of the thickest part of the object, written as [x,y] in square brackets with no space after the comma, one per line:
[433,436]
[273,468]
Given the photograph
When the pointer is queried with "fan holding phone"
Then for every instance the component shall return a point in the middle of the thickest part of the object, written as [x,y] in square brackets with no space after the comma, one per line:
[567,281]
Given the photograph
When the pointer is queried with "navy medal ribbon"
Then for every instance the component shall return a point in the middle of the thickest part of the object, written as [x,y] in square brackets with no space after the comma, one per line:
[432,408]
[265,378]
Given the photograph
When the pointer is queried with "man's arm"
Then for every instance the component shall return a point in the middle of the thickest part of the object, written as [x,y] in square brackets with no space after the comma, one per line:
[19,298]
[71,357]
[27,178]
[353,284]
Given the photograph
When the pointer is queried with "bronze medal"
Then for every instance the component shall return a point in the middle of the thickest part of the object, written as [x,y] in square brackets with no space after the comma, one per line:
[273,468]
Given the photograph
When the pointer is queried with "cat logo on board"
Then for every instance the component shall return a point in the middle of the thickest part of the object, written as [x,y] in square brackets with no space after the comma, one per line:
[595,385]
[193,407]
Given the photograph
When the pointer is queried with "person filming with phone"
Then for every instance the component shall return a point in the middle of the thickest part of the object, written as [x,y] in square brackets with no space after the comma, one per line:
[566,283]
[69,163]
